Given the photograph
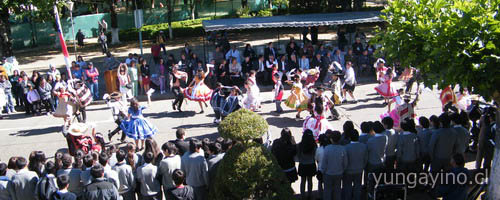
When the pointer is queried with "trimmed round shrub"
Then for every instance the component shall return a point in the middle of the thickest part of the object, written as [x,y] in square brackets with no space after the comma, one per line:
[243,125]
[250,172]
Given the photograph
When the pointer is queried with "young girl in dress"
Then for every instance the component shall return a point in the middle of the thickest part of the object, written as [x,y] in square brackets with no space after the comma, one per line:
[65,106]
[137,127]
[317,122]
[297,99]
[385,88]
[124,80]
[198,91]
[252,98]
[393,113]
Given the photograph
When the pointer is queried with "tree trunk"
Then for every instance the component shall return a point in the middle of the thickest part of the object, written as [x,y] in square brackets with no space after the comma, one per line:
[193,9]
[152,3]
[494,179]
[5,34]
[170,12]
[115,37]
[270,4]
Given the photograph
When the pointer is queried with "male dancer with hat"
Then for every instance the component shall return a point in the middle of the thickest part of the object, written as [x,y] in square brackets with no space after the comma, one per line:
[407,109]
[119,111]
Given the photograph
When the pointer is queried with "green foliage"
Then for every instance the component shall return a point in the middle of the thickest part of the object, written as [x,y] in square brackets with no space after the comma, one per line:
[187,28]
[451,42]
[243,12]
[265,13]
[280,4]
[243,125]
[250,172]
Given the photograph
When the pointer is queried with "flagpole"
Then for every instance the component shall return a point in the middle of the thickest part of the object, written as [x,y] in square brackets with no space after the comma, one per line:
[63,43]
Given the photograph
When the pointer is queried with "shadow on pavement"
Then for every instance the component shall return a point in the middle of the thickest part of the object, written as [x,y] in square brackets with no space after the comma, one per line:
[364,106]
[188,126]
[284,122]
[173,114]
[211,136]
[32,132]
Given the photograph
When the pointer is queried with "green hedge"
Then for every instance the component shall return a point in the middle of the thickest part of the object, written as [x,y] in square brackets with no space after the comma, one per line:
[243,125]
[250,172]
[187,28]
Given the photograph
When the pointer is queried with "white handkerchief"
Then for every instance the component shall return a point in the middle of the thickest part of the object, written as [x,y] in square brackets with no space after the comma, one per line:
[150,91]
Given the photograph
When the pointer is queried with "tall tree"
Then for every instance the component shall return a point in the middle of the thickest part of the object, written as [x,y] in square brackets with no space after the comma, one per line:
[451,42]
[170,8]
[8,7]
[115,37]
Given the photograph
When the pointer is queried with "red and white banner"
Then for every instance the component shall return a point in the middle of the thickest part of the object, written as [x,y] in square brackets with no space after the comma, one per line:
[63,43]
[447,95]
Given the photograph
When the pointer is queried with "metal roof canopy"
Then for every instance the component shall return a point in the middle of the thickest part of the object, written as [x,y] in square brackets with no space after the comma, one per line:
[306,20]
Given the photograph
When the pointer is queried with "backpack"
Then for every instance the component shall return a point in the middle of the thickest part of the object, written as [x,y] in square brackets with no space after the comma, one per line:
[46,188]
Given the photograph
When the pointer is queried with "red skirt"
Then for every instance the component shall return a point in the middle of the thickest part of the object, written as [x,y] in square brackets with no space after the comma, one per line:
[146,81]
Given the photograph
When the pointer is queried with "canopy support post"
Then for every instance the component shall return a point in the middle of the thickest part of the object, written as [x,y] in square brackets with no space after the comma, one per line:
[204,48]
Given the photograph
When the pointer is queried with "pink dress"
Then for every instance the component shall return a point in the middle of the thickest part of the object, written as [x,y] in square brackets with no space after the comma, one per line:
[385,89]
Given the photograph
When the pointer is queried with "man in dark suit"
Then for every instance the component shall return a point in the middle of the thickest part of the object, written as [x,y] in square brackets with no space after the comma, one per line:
[282,64]
[269,50]
[293,63]
[442,145]
[317,61]
[246,65]
[180,143]
[260,67]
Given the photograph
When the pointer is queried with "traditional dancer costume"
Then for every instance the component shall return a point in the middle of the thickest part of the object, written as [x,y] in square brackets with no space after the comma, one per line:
[297,99]
[199,91]
[394,112]
[385,89]
[179,79]
[381,69]
[224,102]
[137,127]
[65,107]
[231,104]
[278,94]
[463,101]
[217,101]
[119,112]
[318,124]
[252,98]
[312,76]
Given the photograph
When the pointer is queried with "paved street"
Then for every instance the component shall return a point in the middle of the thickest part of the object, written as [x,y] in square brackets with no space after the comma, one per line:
[21,135]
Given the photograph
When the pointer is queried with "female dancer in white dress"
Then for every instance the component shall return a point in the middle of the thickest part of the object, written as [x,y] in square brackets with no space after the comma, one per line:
[252,98]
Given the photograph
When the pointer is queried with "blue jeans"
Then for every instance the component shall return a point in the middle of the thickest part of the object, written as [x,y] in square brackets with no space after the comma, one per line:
[94,89]
[9,107]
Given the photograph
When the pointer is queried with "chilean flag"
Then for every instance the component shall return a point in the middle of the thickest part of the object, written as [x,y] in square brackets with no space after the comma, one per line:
[63,43]
[447,95]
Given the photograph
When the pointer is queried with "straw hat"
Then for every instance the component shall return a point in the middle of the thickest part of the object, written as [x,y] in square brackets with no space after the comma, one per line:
[115,95]
[312,72]
[77,129]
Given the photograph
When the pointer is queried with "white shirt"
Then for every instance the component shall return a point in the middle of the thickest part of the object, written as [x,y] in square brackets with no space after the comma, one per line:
[270,64]
[350,78]
[116,107]
[261,66]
